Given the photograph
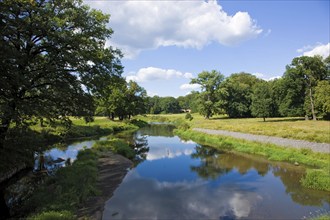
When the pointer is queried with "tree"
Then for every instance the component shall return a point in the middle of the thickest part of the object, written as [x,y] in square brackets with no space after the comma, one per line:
[136,99]
[208,98]
[262,103]
[322,98]
[53,58]
[289,94]
[310,70]
[236,94]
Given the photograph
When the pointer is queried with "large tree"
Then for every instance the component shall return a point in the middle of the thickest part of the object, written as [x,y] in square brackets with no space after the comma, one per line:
[208,98]
[310,70]
[52,58]
[236,94]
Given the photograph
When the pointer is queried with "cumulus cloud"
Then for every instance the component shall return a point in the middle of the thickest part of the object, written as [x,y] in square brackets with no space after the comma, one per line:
[320,49]
[153,74]
[141,25]
[189,86]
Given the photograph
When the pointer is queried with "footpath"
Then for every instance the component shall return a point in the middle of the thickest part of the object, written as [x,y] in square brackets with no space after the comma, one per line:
[285,142]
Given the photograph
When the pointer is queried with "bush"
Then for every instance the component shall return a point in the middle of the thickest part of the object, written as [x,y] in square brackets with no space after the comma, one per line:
[189,117]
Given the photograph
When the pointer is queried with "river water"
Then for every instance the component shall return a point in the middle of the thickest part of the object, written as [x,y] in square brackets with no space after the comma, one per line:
[179,179]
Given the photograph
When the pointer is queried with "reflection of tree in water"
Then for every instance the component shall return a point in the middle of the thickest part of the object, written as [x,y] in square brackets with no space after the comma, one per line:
[216,163]
[138,142]
[209,167]
[141,148]
[165,130]
[291,180]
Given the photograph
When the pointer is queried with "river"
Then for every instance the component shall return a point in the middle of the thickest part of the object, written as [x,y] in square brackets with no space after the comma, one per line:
[180,179]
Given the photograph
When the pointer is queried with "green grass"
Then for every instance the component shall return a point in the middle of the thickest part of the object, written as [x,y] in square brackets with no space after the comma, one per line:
[59,196]
[71,186]
[294,128]
[53,215]
[317,177]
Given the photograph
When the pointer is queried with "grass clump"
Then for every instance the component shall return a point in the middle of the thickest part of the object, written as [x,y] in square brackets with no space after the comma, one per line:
[316,179]
[117,146]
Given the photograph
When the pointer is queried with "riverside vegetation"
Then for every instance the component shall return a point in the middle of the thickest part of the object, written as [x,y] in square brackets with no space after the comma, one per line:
[59,196]
[318,164]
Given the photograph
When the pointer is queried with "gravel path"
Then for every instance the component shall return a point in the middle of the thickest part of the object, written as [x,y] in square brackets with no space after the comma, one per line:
[316,147]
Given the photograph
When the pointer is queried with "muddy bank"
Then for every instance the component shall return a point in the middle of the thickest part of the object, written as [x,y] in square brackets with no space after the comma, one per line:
[112,169]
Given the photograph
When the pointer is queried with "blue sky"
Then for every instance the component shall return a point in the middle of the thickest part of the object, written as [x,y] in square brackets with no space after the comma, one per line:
[166,43]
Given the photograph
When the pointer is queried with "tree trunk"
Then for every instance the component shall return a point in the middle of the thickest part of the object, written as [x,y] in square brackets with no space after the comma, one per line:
[264,119]
[312,103]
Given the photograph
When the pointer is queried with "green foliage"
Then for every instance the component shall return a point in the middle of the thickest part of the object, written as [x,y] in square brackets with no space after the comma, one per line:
[262,103]
[163,105]
[189,117]
[303,74]
[117,146]
[50,64]
[208,98]
[322,98]
[236,94]
[53,215]
[70,187]
[317,179]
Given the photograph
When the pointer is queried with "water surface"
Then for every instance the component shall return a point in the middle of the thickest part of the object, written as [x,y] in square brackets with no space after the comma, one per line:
[182,180]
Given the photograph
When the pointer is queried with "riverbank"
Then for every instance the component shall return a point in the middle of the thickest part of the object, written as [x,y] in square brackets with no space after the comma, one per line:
[318,164]
[287,127]
[112,169]
[81,190]
[83,170]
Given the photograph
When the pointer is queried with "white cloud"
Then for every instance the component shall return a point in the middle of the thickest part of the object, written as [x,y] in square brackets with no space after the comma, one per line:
[264,77]
[320,49]
[153,74]
[190,86]
[140,25]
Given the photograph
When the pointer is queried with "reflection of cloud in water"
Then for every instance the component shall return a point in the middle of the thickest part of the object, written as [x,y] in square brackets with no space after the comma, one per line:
[150,199]
[162,147]
[156,153]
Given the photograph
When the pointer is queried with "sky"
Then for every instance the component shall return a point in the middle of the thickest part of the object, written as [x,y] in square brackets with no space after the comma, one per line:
[167,43]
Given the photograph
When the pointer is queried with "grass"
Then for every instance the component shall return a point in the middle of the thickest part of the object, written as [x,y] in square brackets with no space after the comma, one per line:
[317,177]
[294,128]
[61,195]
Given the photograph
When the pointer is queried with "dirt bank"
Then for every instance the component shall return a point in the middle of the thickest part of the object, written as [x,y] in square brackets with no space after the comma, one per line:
[112,169]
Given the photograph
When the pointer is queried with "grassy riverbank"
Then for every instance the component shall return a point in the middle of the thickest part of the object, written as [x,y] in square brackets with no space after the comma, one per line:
[60,196]
[318,172]
[294,128]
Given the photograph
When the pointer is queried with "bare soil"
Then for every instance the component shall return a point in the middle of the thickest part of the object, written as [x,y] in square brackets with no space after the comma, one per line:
[112,169]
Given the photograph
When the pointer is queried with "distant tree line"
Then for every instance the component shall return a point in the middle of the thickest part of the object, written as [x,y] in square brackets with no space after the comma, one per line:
[303,90]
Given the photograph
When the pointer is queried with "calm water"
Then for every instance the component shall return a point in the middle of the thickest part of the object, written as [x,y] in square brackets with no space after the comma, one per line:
[182,180]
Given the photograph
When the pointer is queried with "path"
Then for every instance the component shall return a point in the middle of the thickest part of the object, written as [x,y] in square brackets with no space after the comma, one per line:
[316,147]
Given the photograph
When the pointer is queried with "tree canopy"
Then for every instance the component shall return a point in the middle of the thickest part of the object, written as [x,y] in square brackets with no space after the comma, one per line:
[53,59]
